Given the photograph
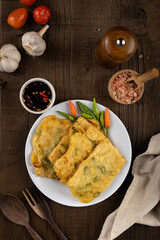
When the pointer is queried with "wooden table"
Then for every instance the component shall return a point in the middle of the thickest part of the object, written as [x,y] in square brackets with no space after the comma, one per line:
[69,64]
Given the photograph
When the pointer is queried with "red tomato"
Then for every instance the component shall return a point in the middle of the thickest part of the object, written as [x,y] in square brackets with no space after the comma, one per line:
[17,18]
[27,2]
[41,14]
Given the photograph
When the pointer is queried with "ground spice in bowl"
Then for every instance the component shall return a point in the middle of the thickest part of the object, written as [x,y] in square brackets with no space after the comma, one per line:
[123,90]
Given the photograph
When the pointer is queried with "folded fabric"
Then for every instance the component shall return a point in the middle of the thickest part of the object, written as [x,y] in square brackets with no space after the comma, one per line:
[141,203]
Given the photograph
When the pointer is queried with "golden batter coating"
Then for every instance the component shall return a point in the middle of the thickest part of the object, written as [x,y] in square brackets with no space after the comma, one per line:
[81,125]
[81,145]
[95,123]
[44,168]
[47,136]
[79,148]
[96,173]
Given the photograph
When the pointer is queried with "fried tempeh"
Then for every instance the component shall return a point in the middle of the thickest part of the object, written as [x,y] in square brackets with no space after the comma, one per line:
[47,136]
[81,125]
[96,173]
[81,145]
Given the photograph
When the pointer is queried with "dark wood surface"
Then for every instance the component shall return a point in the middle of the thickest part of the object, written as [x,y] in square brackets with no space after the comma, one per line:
[69,64]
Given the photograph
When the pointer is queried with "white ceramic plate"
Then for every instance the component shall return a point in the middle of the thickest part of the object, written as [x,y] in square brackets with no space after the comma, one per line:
[60,193]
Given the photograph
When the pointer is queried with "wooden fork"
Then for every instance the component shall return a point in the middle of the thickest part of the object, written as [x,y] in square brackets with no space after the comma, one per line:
[145,77]
[41,208]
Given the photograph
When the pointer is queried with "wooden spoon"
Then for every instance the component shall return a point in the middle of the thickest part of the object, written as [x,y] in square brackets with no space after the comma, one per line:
[139,79]
[145,77]
[17,213]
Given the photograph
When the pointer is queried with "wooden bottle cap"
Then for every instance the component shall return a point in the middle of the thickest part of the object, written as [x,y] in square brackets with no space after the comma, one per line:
[120,43]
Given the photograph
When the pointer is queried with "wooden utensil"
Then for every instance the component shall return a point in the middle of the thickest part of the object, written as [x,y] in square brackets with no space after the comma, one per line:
[145,77]
[139,79]
[17,213]
[41,208]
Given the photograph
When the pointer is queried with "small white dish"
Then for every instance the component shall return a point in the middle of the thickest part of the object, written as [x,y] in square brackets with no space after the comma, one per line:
[35,80]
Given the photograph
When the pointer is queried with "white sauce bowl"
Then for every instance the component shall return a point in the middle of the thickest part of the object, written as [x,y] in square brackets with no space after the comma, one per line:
[35,80]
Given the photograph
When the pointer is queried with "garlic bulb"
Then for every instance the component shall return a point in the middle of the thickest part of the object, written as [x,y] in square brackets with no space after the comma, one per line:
[9,58]
[33,42]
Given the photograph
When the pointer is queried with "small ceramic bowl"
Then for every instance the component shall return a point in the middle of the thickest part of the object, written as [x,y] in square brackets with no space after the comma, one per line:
[111,83]
[39,80]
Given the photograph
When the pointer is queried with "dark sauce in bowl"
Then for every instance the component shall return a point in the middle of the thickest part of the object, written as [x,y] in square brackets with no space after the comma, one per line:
[37,96]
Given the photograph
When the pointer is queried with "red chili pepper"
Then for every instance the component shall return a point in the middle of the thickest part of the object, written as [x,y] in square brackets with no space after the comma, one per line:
[45,99]
[43,95]
[26,97]
[72,108]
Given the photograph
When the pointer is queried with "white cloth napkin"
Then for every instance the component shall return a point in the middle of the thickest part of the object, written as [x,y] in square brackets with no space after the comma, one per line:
[141,203]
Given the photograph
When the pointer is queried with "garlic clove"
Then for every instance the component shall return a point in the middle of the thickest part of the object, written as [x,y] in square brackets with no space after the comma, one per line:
[8,47]
[27,37]
[39,49]
[12,54]
[28,49]
[9,58]
[9,65]
[33,43]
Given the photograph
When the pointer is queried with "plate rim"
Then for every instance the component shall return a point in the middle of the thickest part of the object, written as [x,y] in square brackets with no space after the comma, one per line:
[43,115]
